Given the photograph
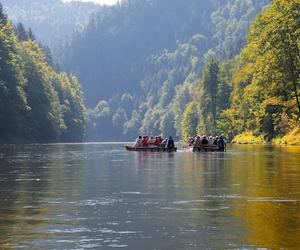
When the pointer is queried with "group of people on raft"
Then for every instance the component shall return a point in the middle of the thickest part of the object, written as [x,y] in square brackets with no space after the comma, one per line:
[154,141]
[198,141]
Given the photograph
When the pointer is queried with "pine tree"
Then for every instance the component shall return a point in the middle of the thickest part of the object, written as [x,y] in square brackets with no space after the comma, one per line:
[30,35]
[21,32]
[208,98]
[12,97]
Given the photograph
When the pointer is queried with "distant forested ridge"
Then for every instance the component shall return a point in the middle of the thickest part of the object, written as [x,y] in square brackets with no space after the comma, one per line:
[140,61]
[37,102]
[255,97]
[156,67]
[51,20]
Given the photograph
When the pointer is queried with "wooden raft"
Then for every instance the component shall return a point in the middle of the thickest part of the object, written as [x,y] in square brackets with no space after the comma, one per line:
[207,148]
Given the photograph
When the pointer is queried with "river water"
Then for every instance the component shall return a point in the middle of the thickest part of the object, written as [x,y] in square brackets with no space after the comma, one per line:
[98,196]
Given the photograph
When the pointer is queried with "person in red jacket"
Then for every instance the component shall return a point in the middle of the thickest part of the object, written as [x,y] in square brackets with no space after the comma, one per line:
[151,141]
[145,141]
[158,140]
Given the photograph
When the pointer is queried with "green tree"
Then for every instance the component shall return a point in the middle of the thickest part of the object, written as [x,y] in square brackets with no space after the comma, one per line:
[266,84]
[131,127]
[167,124]
[72,106]
[190,120]
[37,103]
[12,96]
[45,119]
[119,119]
[21,32]
[209,85]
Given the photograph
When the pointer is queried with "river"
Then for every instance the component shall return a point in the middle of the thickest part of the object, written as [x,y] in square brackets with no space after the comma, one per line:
[98,196]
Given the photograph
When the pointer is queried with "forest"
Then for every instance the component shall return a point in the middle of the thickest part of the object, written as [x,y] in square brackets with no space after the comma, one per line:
[37,102]
[155,67]
[51,20]
[140,63]
[254,98]
[265,101]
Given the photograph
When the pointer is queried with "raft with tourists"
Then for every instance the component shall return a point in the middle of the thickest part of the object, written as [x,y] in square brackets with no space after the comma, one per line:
[207,144]
[153,144]
[150,149]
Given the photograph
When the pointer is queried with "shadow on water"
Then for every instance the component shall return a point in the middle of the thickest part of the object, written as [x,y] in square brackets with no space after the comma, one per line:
[33,180]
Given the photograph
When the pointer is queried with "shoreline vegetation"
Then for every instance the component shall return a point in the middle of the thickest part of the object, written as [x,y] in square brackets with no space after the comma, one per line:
[291,139]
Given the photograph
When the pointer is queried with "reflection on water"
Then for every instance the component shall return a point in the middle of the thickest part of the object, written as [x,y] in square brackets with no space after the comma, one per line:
[92,196]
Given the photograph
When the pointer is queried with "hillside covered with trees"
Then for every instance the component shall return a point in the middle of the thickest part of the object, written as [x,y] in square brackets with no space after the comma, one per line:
[51,20]
[265,103]
[159,68]
[139,61]
[254,98]
[37,102]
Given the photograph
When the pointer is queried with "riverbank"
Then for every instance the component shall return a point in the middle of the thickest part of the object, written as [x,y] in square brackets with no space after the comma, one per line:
[292,138]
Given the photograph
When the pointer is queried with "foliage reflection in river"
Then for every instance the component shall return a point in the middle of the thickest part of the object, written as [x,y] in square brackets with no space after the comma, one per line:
[99,196]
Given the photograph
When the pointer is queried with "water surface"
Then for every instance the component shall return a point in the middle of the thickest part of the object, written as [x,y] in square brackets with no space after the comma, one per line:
[98,196]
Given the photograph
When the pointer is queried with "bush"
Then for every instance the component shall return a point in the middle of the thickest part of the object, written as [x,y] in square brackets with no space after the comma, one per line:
[249,138]
[292,138]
